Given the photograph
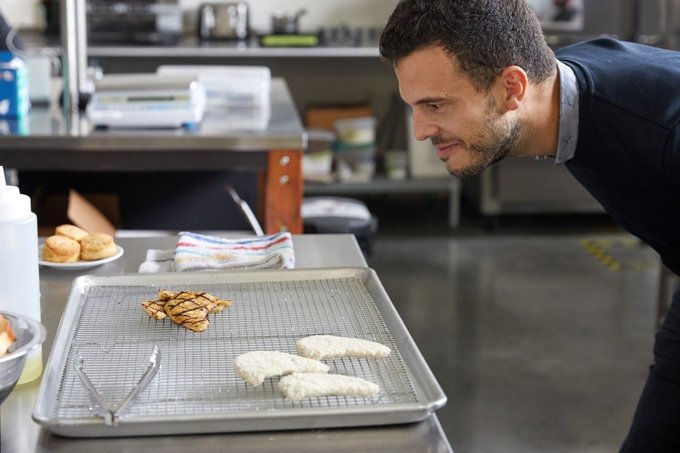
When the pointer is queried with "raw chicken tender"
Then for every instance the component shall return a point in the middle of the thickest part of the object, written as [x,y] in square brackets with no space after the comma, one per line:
[256,366]
[321,347]
[299,386]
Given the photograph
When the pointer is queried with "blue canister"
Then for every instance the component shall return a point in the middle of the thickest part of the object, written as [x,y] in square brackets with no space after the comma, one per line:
[14,95]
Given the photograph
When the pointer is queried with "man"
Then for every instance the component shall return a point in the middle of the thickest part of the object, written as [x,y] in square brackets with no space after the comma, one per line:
[483,85]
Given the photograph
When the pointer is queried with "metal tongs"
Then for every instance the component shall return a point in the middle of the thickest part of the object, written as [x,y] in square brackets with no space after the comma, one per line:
[245,210]
[112,411]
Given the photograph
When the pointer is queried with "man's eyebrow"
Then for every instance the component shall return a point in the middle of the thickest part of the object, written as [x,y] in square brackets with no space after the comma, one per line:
[430,100]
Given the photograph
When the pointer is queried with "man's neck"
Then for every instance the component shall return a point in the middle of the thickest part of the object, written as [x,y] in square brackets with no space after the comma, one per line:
[541,119]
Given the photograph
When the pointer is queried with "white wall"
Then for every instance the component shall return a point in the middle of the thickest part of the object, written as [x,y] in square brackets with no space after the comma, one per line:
[27,13]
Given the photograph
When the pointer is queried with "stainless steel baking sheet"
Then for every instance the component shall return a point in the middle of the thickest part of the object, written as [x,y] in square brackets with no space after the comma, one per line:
[196,389]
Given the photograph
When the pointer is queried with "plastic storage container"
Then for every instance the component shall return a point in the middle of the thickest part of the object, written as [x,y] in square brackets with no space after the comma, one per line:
[228,86]
[19,281]
[355,149]
[356,131]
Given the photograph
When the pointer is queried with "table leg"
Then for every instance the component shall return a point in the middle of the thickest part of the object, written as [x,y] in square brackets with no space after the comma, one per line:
[281,192]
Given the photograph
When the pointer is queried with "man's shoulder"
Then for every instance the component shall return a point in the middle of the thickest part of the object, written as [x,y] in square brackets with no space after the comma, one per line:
[609,48]
[633,77]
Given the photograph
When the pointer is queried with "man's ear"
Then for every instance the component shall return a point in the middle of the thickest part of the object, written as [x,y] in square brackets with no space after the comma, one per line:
[513,83]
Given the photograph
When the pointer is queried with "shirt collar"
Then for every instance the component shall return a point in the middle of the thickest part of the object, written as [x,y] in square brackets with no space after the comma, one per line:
[568,126]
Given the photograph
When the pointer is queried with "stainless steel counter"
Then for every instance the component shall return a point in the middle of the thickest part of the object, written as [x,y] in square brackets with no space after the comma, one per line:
[50,141]
[48,131]
[21,435]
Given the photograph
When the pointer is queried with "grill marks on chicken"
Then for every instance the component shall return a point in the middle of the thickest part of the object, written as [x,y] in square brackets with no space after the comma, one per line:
[186,308]
[154,308]
[188,312]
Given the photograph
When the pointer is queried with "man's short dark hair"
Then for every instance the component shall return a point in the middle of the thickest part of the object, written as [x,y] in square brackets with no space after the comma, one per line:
[486,36]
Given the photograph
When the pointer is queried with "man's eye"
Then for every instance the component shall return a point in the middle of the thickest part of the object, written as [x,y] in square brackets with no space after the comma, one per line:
[433,107]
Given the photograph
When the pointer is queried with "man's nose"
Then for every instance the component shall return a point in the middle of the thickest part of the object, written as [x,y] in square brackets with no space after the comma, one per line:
[422,127]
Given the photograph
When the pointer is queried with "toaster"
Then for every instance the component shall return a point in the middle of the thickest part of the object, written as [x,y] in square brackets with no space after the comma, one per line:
[223,21]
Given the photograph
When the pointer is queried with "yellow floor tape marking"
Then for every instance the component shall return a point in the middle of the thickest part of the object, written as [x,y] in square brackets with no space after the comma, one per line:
[598,248]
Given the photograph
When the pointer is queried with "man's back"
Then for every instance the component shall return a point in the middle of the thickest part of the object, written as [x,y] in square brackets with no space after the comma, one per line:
[628,150]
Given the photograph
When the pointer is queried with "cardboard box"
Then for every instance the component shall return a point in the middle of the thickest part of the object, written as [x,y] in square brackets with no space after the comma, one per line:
[92,212]
[325,117]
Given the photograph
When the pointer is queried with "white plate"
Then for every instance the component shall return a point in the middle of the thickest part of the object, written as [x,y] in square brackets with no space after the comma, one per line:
[79,265]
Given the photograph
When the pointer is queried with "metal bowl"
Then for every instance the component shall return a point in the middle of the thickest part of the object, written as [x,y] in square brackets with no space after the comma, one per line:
[29,334]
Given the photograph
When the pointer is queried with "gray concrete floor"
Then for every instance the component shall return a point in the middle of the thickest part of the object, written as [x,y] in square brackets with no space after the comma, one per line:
[539,331]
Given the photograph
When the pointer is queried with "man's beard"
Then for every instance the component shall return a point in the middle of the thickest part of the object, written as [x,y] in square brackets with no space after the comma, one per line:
[495,142]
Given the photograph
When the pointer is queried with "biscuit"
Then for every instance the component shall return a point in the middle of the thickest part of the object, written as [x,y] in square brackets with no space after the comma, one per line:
[70,231]
[97,246]
[60,249]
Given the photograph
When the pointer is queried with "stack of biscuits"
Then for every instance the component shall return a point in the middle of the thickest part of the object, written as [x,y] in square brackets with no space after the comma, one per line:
[70,244]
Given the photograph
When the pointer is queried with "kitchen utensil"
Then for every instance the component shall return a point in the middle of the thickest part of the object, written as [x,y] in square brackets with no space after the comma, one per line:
[245,210]
[111,411]
[199,391]
[29,335]
[223,21]
[287,24]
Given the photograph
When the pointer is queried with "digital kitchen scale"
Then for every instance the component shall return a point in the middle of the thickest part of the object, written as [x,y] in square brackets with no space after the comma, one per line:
[147,101]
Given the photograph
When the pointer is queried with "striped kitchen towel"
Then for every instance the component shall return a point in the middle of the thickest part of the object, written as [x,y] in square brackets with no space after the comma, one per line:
[197,252]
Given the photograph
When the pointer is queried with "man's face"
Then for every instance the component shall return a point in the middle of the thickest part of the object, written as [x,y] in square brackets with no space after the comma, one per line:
[466,126]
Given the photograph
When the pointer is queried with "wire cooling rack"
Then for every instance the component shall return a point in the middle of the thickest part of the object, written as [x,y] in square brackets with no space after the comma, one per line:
[115,338]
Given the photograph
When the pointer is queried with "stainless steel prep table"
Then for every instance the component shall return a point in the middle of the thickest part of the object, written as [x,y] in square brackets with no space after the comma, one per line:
[21,435]
[49,141]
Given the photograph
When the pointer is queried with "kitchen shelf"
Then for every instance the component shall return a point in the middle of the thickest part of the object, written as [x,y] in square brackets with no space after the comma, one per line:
[232,51]
[383,185]
[193,48]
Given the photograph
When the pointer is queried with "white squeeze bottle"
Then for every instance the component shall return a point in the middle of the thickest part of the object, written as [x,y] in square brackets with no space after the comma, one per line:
[19,282]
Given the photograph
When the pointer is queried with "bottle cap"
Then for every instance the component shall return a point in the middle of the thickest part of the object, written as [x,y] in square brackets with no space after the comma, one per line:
[13,205]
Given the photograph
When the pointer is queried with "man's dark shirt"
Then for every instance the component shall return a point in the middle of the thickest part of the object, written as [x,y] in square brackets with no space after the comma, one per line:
[628,150]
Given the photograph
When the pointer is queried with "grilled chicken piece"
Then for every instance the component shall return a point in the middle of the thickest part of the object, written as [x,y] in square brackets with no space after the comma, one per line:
[222,304]
[187,308]
[212,303]
[183,310]
[197,325]
[166,294]
[155,308]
